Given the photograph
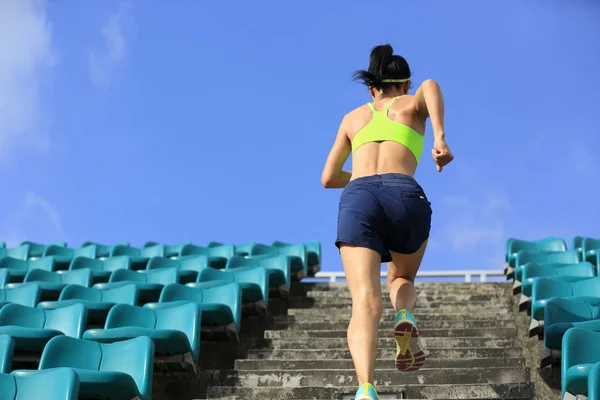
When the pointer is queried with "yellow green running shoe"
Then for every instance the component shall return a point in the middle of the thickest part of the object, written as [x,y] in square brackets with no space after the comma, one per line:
[366,391]
[409,355]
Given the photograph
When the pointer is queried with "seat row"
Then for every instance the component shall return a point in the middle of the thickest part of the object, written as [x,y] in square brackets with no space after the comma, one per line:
[560,289]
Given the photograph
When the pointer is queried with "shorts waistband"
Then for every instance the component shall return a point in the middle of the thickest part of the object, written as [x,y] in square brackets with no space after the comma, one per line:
[385,179]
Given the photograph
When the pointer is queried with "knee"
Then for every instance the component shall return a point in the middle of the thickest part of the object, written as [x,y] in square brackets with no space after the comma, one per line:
[368,304]
[402,280]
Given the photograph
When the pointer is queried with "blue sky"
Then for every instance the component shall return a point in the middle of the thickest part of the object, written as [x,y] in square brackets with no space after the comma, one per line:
[198,120]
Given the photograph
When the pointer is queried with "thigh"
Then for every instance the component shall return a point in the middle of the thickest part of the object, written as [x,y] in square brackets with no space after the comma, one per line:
[405,265]
[362,267]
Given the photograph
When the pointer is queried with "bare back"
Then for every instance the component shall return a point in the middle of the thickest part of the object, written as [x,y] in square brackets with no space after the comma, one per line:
[384,157]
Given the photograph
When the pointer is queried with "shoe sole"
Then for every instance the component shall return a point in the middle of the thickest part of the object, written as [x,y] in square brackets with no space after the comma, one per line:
[410,355]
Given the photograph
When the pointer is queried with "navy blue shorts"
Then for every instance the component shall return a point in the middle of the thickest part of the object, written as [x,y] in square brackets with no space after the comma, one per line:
[387,212]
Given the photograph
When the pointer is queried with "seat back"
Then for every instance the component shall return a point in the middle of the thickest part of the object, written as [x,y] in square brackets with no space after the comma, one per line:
[544,244]
[122,315]
[7,349]
[12,263]
[162,276]
[583,269]
[185,318]
[70,320]
[125,250]
[78,292]
[26,295]
[82,277]
[37,249]
[3,277]
[157,250]
[127,294]
[19,253]
[115,263]
[18,315]
[57,384]
[587,287]
[162,262]
[177,292]
[547,257]
[43,263]
[86,263]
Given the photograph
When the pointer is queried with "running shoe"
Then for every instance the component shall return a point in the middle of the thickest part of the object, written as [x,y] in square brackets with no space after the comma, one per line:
[409,355]
[366,391]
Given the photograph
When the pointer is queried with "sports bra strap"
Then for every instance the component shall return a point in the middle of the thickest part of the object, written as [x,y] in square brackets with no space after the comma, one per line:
[371,106]
[391,102]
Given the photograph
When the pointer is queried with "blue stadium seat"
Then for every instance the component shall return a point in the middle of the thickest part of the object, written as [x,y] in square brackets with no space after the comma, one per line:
[139,257]
[171,250]
[577,244]
[64,255]
[55,384]
[26,295]
[20,268]
[580,352]
[103,250]
[279,267]
[590,249]
[52,283]
[4,277]
[101,269]
[254,282]
[217,255]
[150,283]
[296,252]
[221,304]
[174,330]
[19,253]
[31,328]
[97,301]
[313,250]
[542,257]
[36,250]
[7,348]
[513,246]
[188,266]
[116,371]
[547,288]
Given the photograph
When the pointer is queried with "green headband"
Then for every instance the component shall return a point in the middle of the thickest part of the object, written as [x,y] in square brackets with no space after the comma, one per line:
[395,80]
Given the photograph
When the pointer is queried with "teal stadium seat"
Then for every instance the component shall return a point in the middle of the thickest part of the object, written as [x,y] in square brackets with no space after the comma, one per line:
[297,254]
[546,288]
[19,253]
[4,277]
[543,257]
[20,268]
[36,250]
[559,272]
[577,244]
[98,302]
[103,250]
[52,283]
[175,330]
[313,250]
[254,282]
[116,371]
[513,246]
[57,384]
[26,295]
[32,328]
[171,250]
[7,348]
[150,283]
[217,255]
[101,269]
[590,249]
[188,266]
[279,268]
[139,257]
[580,353]
[64,255]
[221,304]
[594,382]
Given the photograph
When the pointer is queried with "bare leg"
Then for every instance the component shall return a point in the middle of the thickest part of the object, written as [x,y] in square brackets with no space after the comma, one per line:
[401,275]
[363,269]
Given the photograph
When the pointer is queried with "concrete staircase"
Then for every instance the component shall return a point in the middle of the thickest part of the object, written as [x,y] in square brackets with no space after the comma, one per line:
[468,331]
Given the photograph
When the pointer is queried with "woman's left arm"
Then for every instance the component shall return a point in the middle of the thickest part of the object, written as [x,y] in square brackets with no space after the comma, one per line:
[333,177]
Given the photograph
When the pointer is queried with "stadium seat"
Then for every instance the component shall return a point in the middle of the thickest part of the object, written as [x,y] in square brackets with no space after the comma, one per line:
[31,328]
[36,250]
[97,301]
[150,283]
[279,267]
[171,250]
[55,384]
[296,252]
[20,268]
[26,295]
[594,382]
[52,283]
[580,352]
[217,255]
[313,250]
[174,330]
[116,371]
[19,253]
[220,304]
[254,282]
[139,257]
[577,244]
[64,255]
[103,250]
[559,272]
[7,348]
[188,266]
[546,288]
[590,249]
[101,269]
[513,246]
[542,257]
[4,277]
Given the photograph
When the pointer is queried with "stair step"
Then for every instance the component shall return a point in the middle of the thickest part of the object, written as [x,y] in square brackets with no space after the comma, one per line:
[475,287]
[386,342]
[306,315]
[339,378]
[423,324]
[344,354]
[317,334]
[381,364]
[311,302]
[421,296]
[390,312]
[507,391]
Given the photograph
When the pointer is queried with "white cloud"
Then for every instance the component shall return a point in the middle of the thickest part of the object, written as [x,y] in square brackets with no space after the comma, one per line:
[25,53]
[103,63]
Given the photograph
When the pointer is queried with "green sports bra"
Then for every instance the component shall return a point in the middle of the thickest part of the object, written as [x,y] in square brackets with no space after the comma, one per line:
[381,128]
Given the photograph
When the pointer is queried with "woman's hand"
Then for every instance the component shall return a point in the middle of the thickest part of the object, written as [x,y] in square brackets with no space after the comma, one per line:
[441,154]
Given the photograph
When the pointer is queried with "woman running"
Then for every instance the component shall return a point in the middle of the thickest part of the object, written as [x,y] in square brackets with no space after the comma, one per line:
[384,215]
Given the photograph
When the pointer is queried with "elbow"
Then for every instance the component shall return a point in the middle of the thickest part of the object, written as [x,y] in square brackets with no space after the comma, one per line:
[327,181]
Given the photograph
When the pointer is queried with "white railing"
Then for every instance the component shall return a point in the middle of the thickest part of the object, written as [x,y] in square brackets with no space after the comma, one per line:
[467,274]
